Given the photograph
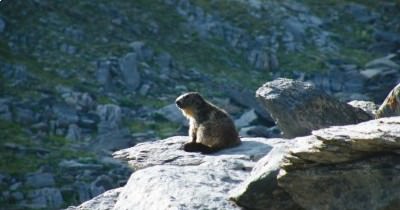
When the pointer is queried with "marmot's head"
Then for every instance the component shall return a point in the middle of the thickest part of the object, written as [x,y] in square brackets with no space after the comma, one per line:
[189,103]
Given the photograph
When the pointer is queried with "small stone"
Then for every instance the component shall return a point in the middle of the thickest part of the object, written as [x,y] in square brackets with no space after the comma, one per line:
[46,198]
[39,180]
[173,114]
[110,117]
[73,133]
[246,119]
[129,72]
[2,25]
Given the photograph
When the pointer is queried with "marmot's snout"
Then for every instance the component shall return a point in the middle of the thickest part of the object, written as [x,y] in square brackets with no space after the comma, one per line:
[179,104]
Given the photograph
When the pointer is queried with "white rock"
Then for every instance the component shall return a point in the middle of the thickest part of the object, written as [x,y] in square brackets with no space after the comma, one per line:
[204,182]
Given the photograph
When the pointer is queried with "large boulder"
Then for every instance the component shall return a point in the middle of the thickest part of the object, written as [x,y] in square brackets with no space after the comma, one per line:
[298,107]
[391,105]
[342,167]
[169,178]
[194,181]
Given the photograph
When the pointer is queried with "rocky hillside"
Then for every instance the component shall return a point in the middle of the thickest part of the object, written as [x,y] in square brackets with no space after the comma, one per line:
[341,167]
[81,79]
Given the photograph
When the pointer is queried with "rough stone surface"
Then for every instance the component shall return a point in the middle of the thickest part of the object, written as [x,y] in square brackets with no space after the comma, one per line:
[391,105]
[129,71]
[173,114]
[104,201]
[38,180]
[341,167]
[110,117]
[46,198]
[175,179]
[246,119]
[368,106]
[298,107]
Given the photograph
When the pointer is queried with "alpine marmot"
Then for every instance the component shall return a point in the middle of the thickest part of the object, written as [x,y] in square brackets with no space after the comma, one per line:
[210,127]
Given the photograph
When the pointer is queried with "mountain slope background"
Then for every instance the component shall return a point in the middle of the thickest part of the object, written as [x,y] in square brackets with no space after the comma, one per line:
[80,79]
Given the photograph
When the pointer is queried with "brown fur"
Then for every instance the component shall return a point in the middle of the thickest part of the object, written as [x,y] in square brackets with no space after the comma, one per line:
[210,127]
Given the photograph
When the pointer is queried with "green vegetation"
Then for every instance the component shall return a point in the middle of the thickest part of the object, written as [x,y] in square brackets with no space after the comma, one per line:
[162,127]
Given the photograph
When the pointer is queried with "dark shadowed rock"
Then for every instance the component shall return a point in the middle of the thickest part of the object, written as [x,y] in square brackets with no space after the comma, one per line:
[110,117]
[341,167]
[367,106]
[73,133]
[246,98]
[2,25]
[45,198]
[391,105]
[129,72]
[298,107]
[104,201]
[38,180]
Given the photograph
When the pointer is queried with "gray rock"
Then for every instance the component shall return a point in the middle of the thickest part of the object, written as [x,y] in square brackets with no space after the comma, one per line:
[361,13]
[67,48]
[265,193]
[110,117]
[381,74]
[81,101]
[164,178]
[311,171]
[368,106]
[143,52]
[83,191]
[260,131]
[113,140]
[88,120]
[105,201]
[5,112]
[2,25]
[100,185]
[391,105]
[173,114]
[129,72]
[46,198]
[76,165]
[17,196]
[298,108]
[103,73]
[295,27]
[65,114]
[165,62]
[40,180]
[246,119]
[24,115]
[246,98]
[73,133]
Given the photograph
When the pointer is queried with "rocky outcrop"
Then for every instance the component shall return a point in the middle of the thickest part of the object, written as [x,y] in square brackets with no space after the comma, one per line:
[174,179]
[391,105]
[298,107]
[342,167]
